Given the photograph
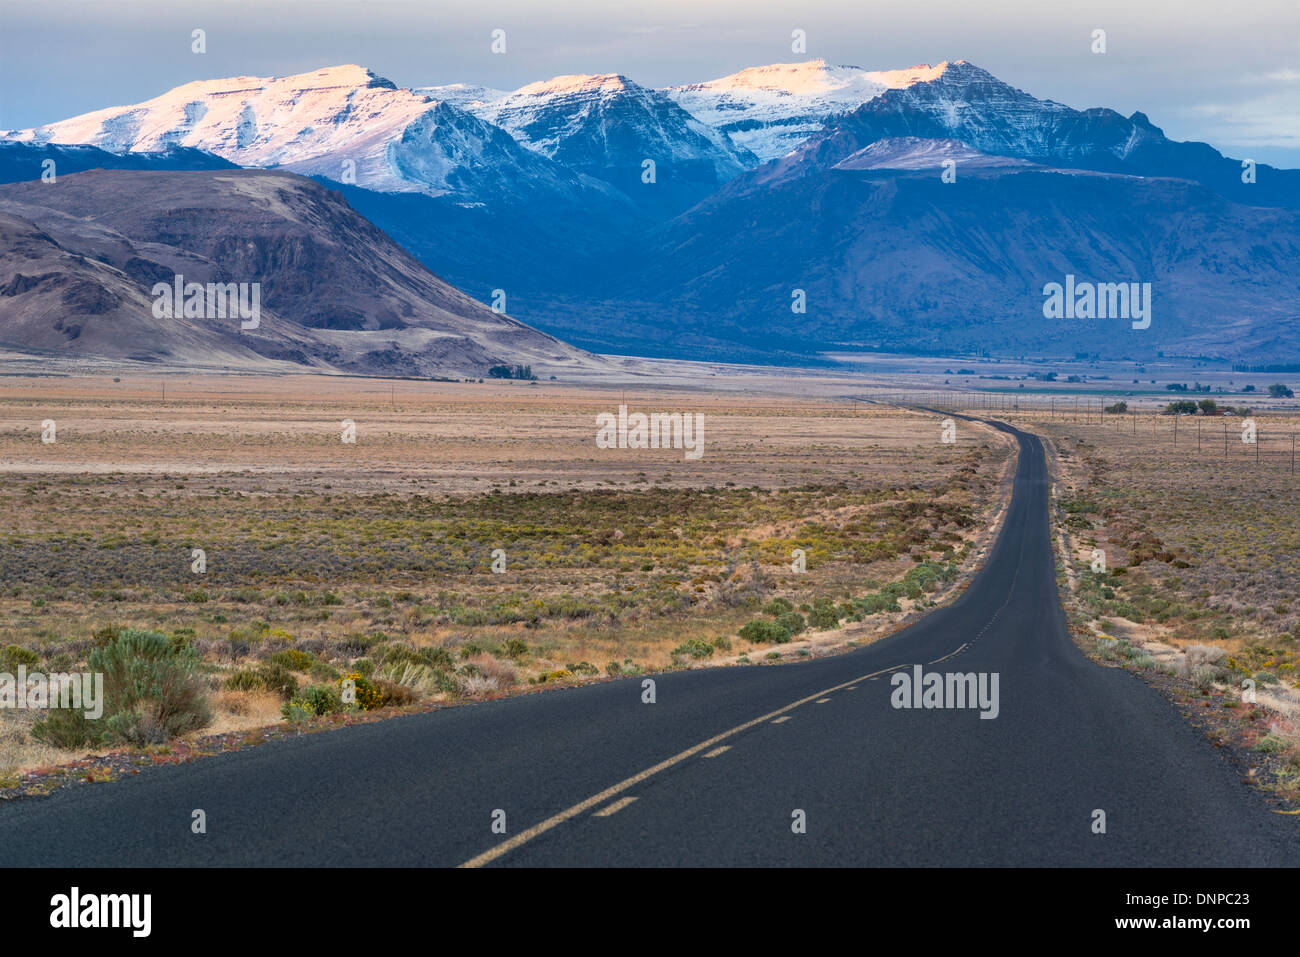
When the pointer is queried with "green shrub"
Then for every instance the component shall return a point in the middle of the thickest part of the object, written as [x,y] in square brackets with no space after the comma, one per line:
[515,648]
[695,648]
[292,659]
[438,658]
[106,635]
[778,606]
[761,631]
[874,604]
[64,728]
[297,710]
[394,693]
[322,699]
[245,681]
[153,691]
[323,671]
[14,655]
[791,621]
[395,655]
[276,677]
[824,615]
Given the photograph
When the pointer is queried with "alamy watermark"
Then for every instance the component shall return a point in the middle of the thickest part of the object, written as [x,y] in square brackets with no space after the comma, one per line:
[933,689]
[655,430]
[129,911]
[214,300]
[82,691]
[1103,300]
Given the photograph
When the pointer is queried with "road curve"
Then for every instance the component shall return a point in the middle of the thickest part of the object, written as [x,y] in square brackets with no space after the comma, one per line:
[716,771]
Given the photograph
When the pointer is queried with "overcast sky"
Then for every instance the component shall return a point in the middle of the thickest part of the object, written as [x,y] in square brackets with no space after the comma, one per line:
[1224,73]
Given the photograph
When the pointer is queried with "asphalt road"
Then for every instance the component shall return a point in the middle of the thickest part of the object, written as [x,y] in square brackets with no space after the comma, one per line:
[877,785]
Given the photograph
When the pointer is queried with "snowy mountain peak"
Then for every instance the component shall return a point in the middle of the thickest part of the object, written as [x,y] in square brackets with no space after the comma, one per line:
[580,83]
[345,122]
[466,96]
[772,109]
[606,126]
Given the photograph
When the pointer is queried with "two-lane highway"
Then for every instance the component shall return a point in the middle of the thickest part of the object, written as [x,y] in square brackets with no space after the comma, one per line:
[799,764]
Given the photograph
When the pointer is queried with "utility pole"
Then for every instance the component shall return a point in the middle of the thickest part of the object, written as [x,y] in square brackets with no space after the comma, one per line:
[1198,436]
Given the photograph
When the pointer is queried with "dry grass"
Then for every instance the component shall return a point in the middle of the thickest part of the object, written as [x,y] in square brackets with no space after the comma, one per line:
[1200,546]
[615,558]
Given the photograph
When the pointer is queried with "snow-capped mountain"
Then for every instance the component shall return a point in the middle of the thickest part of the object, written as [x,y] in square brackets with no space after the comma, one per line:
[607,126]
[340,122]
[960,101]
[465,96]
[540,191]
[770,110]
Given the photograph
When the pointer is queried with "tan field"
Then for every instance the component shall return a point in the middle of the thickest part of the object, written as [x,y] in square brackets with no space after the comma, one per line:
[1200,579]
[372,560]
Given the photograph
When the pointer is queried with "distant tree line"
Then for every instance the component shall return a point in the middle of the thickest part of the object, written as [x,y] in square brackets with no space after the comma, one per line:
[1284,367]
[1204,407]
[511,372]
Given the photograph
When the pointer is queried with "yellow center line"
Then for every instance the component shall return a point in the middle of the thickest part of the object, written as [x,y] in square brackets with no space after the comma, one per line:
[555,820]
[949,655]
[615,807]
[716,751]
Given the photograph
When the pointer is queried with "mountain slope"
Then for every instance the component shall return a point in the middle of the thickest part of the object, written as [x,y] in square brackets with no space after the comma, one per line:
[27,161]
[82,257]
[606,126]
[891,257]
